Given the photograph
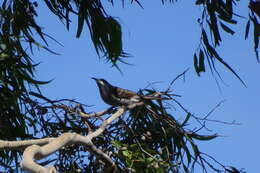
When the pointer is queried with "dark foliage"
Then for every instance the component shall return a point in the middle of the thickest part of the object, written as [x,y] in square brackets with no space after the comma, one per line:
[148,137]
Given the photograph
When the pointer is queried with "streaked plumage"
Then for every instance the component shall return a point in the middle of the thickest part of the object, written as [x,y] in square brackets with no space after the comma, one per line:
[116,96]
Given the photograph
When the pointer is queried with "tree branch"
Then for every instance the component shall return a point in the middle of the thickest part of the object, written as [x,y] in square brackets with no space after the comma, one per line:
[23,144]
[51,145]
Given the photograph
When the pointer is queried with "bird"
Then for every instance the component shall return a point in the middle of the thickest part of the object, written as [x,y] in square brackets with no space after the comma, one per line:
[115,96]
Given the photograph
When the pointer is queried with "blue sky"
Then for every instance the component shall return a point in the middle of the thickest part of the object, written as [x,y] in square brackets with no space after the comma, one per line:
[162,40]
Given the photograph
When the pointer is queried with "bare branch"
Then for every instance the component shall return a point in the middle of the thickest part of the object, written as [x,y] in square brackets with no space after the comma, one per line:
[38,152]
[28,163]
[95,114]
[177,77]
[119,112]
[23,144]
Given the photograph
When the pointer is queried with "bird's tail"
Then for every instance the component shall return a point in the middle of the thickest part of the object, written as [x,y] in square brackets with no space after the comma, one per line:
[159,96]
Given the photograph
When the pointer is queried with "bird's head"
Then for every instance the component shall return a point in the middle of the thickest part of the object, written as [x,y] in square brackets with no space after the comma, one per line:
[102,82]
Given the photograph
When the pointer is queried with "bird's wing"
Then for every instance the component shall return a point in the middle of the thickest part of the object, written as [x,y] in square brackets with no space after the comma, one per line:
[123,93]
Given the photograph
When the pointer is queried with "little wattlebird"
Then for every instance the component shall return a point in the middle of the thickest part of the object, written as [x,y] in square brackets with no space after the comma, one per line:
[116,96]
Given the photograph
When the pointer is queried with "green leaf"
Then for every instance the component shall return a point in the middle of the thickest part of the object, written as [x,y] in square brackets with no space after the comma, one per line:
[227,19]
[81,17]
[247,29]
[126,153]
[233,170]
[226,28]
[203,137]
[114,48]
[117,144]
[194,148]
[31,80]
[256,35]
[229,6]
[214,53]
[186,119]
[204,37]
[188,154]
[185,168]
[201,62]
[199,2]
[256,40]
[213,23]
[195,61]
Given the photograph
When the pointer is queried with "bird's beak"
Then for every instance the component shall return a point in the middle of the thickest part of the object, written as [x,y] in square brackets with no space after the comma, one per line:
[94,78]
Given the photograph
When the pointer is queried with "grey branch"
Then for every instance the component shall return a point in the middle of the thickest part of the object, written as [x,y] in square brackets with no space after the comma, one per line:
[38,152]
[23,144]
[41,148]
[95,114]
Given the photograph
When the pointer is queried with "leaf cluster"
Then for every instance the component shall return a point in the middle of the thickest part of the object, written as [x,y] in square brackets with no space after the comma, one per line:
[105,30]
[255,8]
[20,116]
[147,137]
[217,16]
[16,71]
